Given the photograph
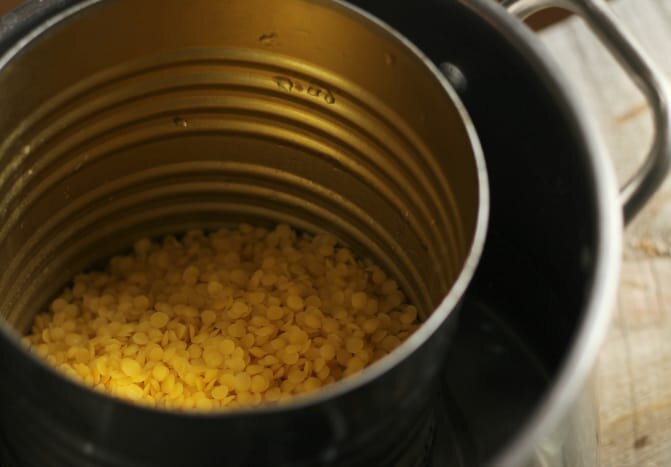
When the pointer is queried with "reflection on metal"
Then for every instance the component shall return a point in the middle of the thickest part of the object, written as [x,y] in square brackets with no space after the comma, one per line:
[455,76]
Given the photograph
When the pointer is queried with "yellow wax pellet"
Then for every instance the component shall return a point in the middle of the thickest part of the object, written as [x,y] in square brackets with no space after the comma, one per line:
[220,392]
[212,358]
[236,364]
[142,246]
[177,390]
[319,363]
[160,372]
[190,378]
[275,312]
[354,344]
[190,275]
[256,298]
[253,369]
[227,346]
[409,315]
[312,384]
[327,352]
[227,379]
[247,340]
[73,339]
[168,383]
[364,356]
[265,331]
[83,370]
[195,351]
[359,300]
[343,356]
[290,358]
[133,391]
[155,353]
[258,352]
[295,376]
[330,325]
[238,353]
[313,321]
[242,382]
[269,360]
[354,364]
[203,404]
[58,304]
[43,350]
[273,394]
[370,325]
[298,336]
[324,373]
[389,343]
[158,319]
[208,317]
[215,289]
[57,333]
[140,338]
[155,335]
[341,314]
[389,286]
[141,303]
[245,398]
[378,276]
[259,383]
[295,302]
[79,354]
[130,367]
[378,336]
[268,279]
[238,310]
[236,330]
[278,344]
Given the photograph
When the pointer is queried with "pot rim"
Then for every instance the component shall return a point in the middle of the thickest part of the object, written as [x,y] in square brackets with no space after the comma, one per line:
[375,370]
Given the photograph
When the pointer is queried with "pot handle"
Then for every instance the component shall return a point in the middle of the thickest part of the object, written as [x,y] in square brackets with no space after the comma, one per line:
[647,77]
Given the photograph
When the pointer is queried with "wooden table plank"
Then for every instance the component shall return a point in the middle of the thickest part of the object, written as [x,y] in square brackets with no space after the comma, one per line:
[633,376]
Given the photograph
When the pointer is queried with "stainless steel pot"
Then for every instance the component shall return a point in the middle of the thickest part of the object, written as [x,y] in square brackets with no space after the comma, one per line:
[564,427]
[75,426]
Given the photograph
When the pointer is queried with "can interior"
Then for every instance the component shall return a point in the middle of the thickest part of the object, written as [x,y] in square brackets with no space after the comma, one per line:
[141,118]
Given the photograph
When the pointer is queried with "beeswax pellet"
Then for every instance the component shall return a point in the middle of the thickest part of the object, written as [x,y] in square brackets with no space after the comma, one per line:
[213,358]
[158,319]
[354,344]
[258,383]
[160,372]
[208,317]
[130,367]
[219,392]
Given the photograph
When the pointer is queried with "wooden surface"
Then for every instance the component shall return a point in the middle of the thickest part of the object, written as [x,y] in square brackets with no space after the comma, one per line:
[6,5]
[633,375]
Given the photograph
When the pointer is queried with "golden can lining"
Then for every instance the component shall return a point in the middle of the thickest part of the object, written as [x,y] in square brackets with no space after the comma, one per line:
[233,318]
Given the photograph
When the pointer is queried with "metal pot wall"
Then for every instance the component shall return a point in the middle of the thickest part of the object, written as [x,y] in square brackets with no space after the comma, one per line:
[567,196]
